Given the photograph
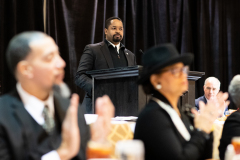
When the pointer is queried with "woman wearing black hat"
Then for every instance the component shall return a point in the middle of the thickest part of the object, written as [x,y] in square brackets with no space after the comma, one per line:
[166,132]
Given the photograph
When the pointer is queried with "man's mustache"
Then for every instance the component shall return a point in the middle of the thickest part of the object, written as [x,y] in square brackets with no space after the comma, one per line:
[117,35]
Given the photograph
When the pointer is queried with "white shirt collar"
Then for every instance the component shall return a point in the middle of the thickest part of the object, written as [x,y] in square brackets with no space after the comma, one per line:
[35,106]
[118,46]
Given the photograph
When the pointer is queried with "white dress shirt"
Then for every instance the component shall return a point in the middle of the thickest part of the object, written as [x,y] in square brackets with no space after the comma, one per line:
[34,107]
[118,46]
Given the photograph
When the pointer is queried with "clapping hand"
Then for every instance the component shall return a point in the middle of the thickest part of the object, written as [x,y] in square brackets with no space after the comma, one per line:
[70,132]
[220,103]
[210,112]
[102,127]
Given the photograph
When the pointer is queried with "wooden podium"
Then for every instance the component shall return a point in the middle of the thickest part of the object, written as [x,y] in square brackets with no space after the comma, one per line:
[120,84]
[189,96]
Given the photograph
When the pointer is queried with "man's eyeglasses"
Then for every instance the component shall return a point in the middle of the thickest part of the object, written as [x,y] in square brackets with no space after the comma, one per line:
[177,71]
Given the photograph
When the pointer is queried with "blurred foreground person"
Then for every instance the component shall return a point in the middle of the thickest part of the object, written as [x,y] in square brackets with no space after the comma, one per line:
[35,121]
[231,126]
[166,132]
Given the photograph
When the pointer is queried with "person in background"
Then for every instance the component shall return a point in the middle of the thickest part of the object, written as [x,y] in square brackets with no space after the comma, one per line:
[36,122]
[110,53]
[211,88]
[231,126]
[168,133]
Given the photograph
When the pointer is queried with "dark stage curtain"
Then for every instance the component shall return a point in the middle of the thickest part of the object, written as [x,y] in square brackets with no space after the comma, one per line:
[206,28]
[74,24]
[16,16]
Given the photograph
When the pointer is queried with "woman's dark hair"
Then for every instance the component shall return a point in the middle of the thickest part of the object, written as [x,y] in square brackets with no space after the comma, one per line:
[147,86]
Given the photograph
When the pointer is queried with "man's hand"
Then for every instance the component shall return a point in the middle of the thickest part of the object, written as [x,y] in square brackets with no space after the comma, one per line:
[102,127]
[70,132]
[221,102]
[210,112]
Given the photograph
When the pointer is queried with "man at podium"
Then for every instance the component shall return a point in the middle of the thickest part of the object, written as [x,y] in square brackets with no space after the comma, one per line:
[110,53]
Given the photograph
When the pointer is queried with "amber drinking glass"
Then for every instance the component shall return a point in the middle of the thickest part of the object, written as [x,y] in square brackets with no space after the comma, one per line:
[236,144]
[98,150]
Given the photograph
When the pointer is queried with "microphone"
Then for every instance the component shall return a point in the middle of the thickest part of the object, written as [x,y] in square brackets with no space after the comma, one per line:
[141,51]
[187,110]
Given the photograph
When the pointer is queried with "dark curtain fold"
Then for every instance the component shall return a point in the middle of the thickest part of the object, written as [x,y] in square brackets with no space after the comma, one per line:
[216,38]
[206,28]
[74,24]
[15,17]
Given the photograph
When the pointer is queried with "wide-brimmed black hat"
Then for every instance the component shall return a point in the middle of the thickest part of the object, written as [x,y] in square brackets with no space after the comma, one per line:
[159,57]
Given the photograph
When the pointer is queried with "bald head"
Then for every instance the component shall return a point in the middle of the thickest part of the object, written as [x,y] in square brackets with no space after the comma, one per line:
[19,47]
[211,87]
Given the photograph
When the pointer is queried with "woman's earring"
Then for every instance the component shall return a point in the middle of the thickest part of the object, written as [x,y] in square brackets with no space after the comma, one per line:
[159,86]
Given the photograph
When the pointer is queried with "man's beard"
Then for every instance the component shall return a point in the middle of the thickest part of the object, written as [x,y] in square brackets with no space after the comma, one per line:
[117,39]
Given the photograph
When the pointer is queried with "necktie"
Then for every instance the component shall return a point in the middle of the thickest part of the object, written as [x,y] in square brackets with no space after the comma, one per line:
[117,51]
[49,120]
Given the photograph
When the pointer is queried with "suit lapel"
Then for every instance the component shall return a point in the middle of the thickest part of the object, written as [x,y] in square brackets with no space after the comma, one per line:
[60,106]
[30,128]
[106,53]
[21,113]
[128,58]
[205,100]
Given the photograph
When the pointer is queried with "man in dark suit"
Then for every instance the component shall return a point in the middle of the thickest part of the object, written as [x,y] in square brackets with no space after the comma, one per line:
[107,54]
[211,88]
[202,98]
[35,121]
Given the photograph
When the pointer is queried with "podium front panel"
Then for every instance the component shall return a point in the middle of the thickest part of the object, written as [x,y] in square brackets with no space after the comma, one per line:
[122,91]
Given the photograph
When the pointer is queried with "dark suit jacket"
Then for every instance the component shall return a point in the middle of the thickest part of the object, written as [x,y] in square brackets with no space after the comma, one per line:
[231,129]
[163,141]
[95,57]
[204,100]
[198,100]
[22,138]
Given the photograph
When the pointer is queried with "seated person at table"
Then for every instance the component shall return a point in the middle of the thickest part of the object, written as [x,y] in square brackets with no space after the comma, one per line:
[168,133]
[231,126]
[211,88]
[35,121]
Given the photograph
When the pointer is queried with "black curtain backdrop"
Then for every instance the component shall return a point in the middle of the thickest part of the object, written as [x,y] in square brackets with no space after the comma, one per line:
[206,28]
[16,16]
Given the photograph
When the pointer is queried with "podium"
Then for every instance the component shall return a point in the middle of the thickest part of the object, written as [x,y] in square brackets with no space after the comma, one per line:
[189,96]
[120,84]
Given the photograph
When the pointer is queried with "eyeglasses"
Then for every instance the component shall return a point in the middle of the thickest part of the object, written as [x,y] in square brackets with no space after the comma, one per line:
[177,71]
